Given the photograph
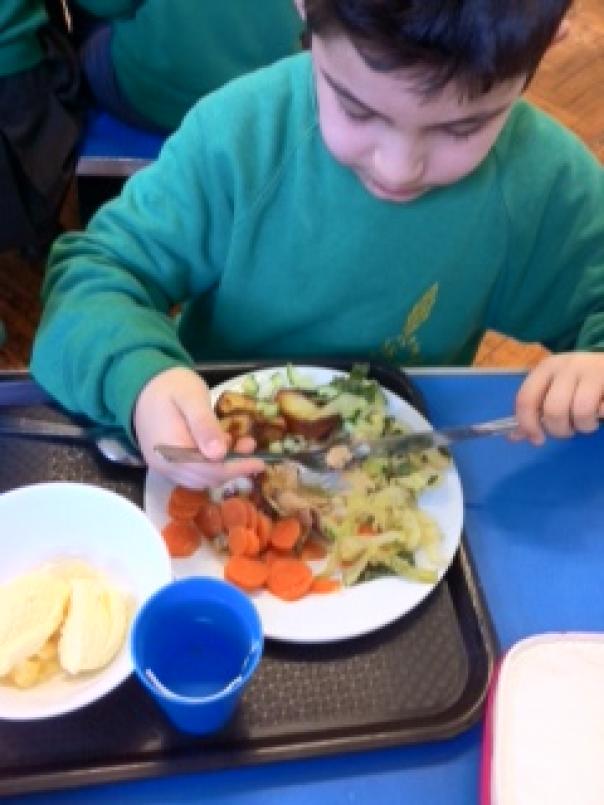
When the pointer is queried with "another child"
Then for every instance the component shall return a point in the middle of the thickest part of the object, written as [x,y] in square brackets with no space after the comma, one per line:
[151,60]
[386,195]
[40,120]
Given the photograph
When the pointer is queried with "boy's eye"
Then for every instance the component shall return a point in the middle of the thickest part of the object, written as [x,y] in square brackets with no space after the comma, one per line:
[354,113]
[462,134]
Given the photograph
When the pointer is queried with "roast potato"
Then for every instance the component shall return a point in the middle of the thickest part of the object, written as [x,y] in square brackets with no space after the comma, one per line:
[304,417]
[231,402]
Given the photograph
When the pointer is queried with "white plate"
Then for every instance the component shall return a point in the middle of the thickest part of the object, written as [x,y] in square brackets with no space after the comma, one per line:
[349,612]
[43,523]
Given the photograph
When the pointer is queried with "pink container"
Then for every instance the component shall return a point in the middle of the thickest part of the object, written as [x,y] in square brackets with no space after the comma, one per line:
[544,731]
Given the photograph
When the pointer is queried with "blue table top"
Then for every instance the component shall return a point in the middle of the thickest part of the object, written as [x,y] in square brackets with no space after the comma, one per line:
[535,528]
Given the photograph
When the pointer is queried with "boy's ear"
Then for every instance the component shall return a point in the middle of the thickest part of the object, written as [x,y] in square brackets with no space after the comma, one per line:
[300,6]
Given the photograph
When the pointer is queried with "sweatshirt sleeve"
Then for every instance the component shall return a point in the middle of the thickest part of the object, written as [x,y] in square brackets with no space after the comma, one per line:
[552,289]
[106,328]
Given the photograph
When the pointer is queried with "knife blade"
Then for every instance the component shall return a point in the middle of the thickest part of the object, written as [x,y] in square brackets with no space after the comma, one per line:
[424,440]
[23,426]
[11,425]
[112,443]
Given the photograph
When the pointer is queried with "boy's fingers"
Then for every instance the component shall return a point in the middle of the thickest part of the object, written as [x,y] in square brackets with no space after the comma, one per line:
[557,414]
[587,407]
[563,395]
[529,403]
[205,428]
[244,466]
[209,436]
[216,474]
[206,476]
[212,441]
[244,445]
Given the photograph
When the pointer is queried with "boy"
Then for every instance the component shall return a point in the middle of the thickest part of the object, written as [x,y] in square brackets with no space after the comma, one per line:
[383,195]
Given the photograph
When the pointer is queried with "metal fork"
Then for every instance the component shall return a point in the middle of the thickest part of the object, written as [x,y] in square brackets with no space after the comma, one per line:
[311,459]
[313,470]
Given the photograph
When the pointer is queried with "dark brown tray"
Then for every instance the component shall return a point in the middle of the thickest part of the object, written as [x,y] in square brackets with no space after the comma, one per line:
[422,678]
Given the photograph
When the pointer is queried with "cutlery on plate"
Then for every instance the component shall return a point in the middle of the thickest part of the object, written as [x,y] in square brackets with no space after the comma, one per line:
[325,458]
[113,445]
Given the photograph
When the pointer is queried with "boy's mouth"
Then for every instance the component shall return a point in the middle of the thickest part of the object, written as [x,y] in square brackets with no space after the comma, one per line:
[400,195]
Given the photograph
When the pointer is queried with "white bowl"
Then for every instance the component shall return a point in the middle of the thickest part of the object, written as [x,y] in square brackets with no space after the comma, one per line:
[47,522]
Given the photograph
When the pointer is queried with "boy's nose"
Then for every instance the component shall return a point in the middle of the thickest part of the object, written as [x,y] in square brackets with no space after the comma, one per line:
[398,168]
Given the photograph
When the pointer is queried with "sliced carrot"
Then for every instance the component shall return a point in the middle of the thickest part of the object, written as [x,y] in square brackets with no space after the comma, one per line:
[234,512]
[249,574]
[289,579]
[243,541]
[312,549]
[250,512]
[181,537]
[264,526]
[269,556]
[184,503]
[253,543]
[323,585]
[366,530]
[209,520]
[285,533]
[237,537]
[182,515]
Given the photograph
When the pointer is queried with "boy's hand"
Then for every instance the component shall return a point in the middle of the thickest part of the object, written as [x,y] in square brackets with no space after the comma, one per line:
[562,395]
[175,408]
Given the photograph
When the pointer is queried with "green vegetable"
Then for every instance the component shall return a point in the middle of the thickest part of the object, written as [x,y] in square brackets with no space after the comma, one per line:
[250,386]
[268,409]
[271,386]
[298,380]
[347,405]
[358,383]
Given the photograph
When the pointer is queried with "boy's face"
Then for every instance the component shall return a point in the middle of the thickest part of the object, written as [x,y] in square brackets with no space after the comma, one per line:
[400,144]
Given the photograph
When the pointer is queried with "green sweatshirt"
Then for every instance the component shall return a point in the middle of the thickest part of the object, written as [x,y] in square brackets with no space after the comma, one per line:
[169,53]
[20,21]
[278,251]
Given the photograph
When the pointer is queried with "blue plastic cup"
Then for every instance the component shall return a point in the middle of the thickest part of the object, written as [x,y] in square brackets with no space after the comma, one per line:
[195,644]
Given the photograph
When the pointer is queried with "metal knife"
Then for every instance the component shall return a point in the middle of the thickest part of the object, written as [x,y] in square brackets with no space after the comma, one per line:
[318,458]
[423,440]
[111,442]
[16,425]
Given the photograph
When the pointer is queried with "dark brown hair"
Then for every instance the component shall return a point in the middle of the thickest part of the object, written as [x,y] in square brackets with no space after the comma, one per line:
[474,43]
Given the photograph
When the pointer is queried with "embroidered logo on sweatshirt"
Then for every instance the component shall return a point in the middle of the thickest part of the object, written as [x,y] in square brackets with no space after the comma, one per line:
[405,347]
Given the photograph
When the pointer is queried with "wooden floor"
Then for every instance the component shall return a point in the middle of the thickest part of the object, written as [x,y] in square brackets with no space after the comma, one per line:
[569,85]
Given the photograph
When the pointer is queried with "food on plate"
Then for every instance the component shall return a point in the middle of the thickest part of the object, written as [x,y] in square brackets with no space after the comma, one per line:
[184,503]
[181,537]
[304,417]
[232,401]
[245,572]
[255,543]
[338,457]
[63,616]
[289,579]
[293,538]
